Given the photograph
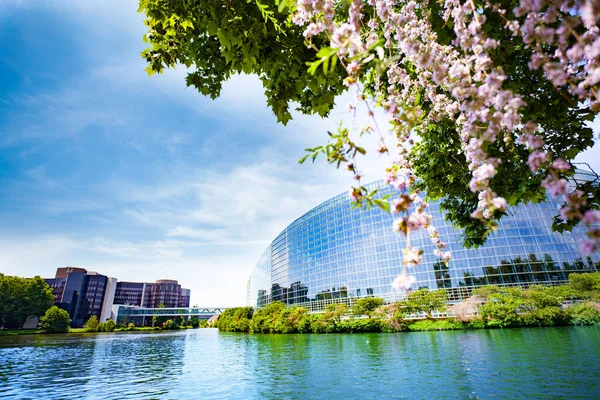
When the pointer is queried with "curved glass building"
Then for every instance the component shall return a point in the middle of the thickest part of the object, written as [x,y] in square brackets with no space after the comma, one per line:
[335,253]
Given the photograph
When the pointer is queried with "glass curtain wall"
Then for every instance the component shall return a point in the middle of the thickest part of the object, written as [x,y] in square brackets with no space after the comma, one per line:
[334,253]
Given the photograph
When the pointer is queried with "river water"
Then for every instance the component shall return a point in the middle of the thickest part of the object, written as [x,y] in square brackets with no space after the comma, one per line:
[203,364]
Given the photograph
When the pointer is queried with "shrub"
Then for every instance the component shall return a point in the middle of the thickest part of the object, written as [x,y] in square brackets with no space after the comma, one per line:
[264,319]
[426,301]
[91,325]
[436,325]
[367,306]
[583,314]
[108,326]
[476,323]
[359,326]
[170,325]
[289,320]
[502,308]
[544,316]
[55,320]
[305,323]
[235,319]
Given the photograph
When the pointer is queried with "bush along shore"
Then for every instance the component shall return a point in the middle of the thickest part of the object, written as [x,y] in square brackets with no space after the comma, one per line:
[575,303]
[57,320]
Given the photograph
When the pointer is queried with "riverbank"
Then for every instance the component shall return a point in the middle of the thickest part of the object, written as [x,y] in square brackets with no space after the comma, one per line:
[576,303]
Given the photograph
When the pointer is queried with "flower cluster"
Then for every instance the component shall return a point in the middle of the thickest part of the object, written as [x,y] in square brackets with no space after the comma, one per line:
[427,80]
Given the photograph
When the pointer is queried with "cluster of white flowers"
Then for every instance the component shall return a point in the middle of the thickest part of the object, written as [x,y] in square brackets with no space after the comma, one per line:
[460,81]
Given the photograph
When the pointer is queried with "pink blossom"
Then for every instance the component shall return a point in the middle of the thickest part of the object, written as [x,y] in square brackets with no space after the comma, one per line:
[587,246]
[403,282]
[561,165]
[499,203]
[555,186]
[591,217]
[537,159]
[412,256]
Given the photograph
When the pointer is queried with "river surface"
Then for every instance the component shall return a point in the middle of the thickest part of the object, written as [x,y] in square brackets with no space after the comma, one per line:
[203,364]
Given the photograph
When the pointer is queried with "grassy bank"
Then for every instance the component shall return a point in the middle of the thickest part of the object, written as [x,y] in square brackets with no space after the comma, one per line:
[575,303]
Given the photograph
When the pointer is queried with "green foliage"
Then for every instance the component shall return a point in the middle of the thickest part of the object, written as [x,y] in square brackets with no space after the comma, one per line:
[194,322]
[328,321]
[289,320]
[265,319]
[535,306]
[168,324]
[366,306]
[585,283]
[436,325]
[55,320]
[477,323]
[235,319]
[159,320]
[92,324]
[21,298]
[425,301]
[216,39]
[360,326]
[107,326]
[584,314]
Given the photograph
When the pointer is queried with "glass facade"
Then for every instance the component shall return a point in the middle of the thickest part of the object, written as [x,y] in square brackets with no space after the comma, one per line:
[334,253]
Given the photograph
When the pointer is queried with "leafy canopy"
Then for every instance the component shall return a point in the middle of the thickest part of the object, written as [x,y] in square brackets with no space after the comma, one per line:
[216,39]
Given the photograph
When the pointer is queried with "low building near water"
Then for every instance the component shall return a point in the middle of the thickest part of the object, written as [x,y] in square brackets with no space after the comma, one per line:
[85,293]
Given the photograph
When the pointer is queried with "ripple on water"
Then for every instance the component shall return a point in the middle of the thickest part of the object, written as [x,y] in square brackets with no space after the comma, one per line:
[516,363]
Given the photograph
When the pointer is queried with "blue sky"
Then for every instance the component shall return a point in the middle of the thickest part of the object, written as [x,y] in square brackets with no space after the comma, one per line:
[135,177]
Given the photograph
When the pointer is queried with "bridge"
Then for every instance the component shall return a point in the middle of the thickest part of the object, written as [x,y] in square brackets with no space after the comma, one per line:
[123,311]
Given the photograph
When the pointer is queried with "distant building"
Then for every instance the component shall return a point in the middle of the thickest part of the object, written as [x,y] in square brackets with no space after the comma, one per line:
[150,295]
[85,293]
[80,292]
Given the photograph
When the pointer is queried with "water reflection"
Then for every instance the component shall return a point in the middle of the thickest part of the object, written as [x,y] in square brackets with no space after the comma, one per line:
[551,362]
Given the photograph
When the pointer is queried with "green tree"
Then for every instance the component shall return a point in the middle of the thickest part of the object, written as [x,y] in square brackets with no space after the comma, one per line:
[159,320]
[585,283]
[236,319]
[216,40]
[10,297]
[91,325]
[21,298]
[107,326]
[55,320]
[426,301]
[366,306]
[194,321]
[265,319]
[38,298]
